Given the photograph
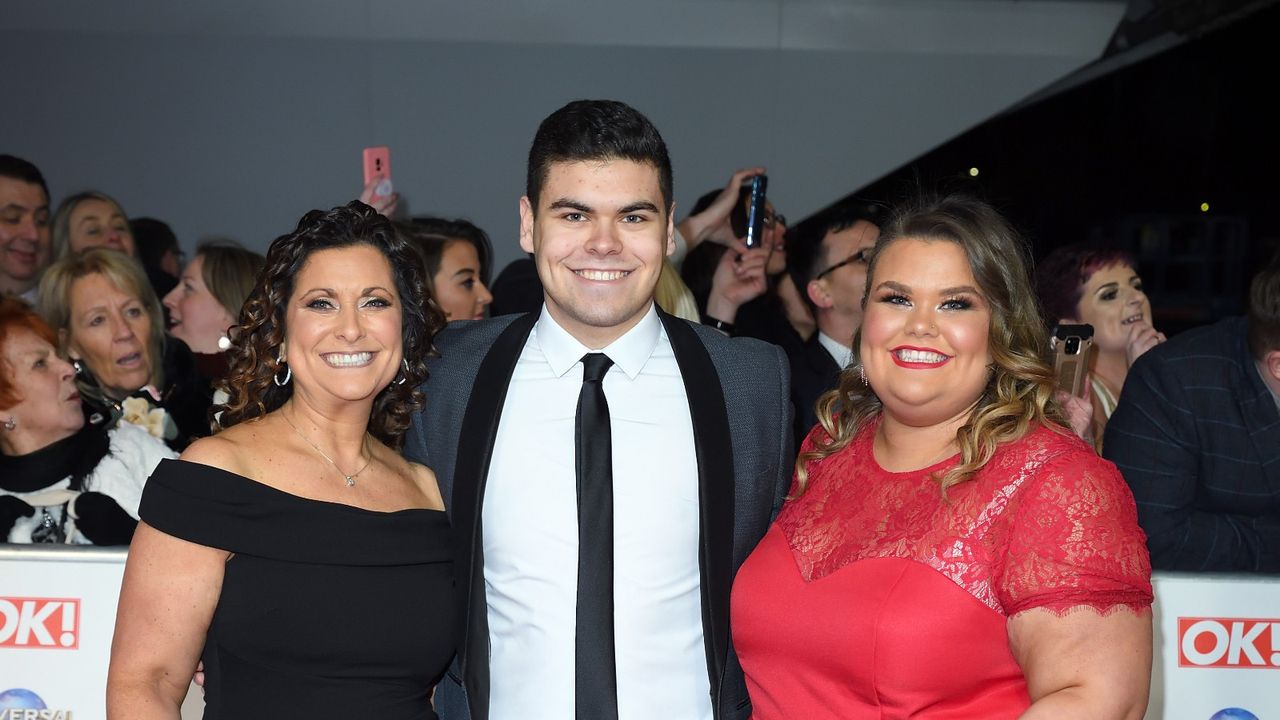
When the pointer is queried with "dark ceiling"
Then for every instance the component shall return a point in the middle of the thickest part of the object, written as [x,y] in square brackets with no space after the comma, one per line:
[1140,147]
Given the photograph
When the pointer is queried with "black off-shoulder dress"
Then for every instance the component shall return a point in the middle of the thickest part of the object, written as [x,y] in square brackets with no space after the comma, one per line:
[326,610]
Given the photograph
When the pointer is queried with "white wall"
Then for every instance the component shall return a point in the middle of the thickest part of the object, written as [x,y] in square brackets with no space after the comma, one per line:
[234,119]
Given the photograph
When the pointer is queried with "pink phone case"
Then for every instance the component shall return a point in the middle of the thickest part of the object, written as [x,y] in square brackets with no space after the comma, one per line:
[377,162]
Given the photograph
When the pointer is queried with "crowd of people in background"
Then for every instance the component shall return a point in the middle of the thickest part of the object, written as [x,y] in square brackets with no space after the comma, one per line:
[145,329]
[117,352]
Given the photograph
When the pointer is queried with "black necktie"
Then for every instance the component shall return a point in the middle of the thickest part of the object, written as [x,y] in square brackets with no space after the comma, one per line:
[595,669]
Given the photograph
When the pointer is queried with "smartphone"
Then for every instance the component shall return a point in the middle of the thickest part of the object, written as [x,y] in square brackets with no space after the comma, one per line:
[1070,345]
[755,212]
[377,162]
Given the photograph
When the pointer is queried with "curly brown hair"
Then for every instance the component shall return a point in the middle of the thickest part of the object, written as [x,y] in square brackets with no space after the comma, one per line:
[1019,393]
[260,330]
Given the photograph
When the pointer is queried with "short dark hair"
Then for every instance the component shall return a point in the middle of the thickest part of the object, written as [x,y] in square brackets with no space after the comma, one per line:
[1264,309]
[260,330]
[596,130]
[15,168]
[457,229]
[1062,274]
[152,238]
[805,248]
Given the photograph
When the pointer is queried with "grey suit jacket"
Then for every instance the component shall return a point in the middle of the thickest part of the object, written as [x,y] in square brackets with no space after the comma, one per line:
[738,399]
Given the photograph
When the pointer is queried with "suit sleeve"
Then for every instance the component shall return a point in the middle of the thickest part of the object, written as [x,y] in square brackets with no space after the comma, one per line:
[786,439]
[415,445]
[1153,438]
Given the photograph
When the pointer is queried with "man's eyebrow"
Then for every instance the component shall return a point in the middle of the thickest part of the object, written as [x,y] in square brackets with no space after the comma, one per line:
[639,205]
[566,203]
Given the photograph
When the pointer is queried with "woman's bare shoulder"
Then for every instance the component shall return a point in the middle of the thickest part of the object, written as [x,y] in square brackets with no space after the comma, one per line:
[231,449]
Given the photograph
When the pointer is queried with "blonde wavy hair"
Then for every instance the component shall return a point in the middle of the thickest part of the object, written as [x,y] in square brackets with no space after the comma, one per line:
[127,275]
[1019,394]
[62,219]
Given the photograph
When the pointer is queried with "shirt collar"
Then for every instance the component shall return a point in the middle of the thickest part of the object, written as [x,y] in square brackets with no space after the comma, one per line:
[841,353]
[629,352]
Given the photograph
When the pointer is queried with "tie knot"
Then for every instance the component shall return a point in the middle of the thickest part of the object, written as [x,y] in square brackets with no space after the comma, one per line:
[594,366]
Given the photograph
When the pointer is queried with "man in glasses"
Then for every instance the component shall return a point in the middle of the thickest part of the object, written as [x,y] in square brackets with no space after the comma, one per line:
[829,256]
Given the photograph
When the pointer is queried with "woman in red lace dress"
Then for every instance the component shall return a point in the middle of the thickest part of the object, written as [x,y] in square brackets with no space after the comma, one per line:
[949,550]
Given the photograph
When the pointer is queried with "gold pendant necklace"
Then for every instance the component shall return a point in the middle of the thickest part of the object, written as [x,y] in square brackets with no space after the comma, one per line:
[351,479]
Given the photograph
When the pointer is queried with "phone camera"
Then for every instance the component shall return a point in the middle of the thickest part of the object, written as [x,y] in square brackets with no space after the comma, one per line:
[1073,345]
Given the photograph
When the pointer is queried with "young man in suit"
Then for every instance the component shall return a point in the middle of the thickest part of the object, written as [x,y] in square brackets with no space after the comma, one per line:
[590,587]
[829,265]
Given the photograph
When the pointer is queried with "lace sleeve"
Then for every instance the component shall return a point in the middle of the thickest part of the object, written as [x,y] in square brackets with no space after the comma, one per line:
[1074,541]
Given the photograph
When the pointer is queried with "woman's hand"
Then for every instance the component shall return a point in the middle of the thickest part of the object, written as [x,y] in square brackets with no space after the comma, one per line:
[1084,664]
[384,204]
[697,228]
[738,279]
[1142,337]
[1079,413]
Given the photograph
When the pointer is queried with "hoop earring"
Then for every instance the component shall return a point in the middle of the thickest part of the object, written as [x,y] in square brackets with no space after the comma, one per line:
[288,375]
[405,363]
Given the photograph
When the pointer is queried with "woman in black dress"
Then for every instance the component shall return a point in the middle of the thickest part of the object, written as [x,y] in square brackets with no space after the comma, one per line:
[296,552]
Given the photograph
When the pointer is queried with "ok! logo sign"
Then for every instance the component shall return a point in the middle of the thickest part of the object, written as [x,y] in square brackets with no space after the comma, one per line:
[1228,642]
[39,622]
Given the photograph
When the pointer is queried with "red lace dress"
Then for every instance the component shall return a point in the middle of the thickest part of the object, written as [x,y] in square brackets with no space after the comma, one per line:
[872,597]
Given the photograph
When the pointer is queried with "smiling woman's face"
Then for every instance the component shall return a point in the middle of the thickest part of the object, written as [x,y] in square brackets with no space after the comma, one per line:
[925,347]
[1112,301]
[342,326]
[110,330]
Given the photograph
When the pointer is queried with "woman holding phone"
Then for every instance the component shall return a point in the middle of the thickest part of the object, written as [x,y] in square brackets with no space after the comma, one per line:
[1084,284]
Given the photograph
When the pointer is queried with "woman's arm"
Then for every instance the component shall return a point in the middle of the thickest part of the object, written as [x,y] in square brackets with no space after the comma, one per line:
[1084,664]
[167,600]
[170,590]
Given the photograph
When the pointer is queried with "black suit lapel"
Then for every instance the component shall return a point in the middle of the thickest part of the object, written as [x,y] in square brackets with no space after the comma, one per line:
[478,433]
[820,360]
[713,447]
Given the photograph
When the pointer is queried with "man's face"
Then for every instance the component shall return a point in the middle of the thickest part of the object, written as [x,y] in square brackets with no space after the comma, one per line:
[599,236]
[840,289]
[24,230]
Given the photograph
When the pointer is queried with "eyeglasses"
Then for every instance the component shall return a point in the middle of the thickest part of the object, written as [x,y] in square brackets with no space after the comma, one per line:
[772,219]
[861,257]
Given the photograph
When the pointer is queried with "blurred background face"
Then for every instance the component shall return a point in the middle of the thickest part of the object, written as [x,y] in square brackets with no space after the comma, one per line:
[847,283]
[49,408]
[24,229]
[460,292]
[98,223]
[775,233]
[110,331]
[1112,302]
[195,315]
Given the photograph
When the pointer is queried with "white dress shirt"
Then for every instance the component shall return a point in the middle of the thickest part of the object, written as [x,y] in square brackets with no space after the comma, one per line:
[530,532]
[841,353]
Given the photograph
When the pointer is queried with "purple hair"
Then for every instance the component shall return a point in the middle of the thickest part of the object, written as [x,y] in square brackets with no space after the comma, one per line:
[1061,276]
